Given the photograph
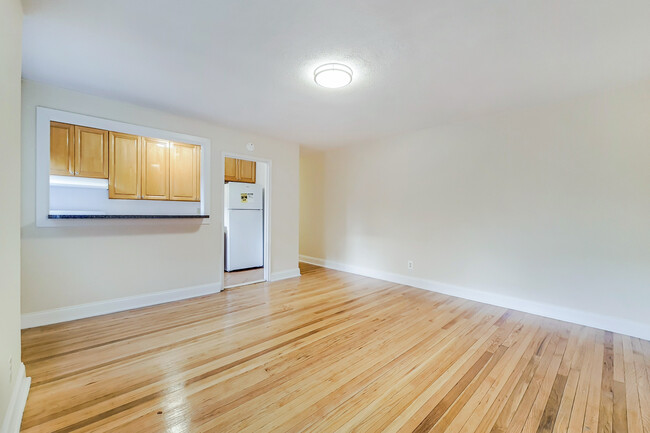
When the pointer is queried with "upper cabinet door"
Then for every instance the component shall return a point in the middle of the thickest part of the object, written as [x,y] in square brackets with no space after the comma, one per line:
[91,152]
[230,170]
[184,172]
[155,169]
[246,171]
[124,168]
[61,149]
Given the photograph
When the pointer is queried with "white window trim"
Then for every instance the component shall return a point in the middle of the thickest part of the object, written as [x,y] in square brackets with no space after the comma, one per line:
[43,118]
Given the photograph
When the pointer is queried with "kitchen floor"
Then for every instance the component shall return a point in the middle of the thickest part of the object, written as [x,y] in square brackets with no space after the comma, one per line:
[242,277]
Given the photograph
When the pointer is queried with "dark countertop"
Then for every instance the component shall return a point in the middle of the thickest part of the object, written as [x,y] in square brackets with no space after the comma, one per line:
[71,216]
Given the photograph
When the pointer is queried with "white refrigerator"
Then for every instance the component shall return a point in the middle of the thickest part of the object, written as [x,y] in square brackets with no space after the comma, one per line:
[244,226]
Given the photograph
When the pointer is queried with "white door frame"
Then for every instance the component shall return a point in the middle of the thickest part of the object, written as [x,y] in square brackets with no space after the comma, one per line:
[267,213]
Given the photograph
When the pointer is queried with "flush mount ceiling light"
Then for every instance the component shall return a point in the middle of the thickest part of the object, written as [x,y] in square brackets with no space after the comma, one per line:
[333,75]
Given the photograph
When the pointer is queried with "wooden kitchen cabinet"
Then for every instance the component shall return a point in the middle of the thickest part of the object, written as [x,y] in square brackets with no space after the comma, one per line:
[91,152]
[155,169]
[230,170]
[124,166]
[184,172]
[239,170]
[61,149]
[137,168]
[246,171]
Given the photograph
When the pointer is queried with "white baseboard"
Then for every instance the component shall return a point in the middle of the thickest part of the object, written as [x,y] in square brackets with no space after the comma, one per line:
[283,275]
[65,314]
[580,317]
[14,414]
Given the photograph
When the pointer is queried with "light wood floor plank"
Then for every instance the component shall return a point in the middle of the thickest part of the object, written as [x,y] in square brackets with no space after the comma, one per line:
[634,422]
[331,351]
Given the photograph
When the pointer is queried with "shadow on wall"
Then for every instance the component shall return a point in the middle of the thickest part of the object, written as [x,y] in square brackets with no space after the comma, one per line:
[312,211]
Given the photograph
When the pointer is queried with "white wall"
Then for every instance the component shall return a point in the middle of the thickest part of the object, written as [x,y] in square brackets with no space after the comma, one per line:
[312,212]
[76,265]
[548,205]
[10,64]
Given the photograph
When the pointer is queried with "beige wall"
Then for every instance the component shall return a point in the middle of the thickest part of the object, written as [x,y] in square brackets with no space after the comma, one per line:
[549,205]
[311,202]
[10,54]
[76,265]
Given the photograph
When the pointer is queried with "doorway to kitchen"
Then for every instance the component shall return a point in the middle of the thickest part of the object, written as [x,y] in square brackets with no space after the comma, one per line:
[246,209]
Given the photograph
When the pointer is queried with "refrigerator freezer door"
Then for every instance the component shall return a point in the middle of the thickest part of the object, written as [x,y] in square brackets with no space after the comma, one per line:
[243,196]
[244,239]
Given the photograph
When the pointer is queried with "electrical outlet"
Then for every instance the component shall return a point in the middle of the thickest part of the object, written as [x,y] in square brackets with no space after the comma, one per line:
[409,265]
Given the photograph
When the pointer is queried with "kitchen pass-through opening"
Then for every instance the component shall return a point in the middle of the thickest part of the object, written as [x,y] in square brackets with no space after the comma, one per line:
[246,206]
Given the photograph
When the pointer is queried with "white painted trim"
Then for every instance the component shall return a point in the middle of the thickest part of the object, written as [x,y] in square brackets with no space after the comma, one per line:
[65,314]
[283,275]
[267,208]
[580,317]
[43,118]
[14,413]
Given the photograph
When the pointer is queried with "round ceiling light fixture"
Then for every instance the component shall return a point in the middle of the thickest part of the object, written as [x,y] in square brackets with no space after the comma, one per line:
[333,75]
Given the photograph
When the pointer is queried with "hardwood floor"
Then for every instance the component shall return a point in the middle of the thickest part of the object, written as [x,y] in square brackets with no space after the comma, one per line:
[242,277]
[331,351]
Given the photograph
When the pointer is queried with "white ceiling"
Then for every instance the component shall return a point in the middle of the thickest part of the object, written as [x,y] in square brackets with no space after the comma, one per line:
[249,63]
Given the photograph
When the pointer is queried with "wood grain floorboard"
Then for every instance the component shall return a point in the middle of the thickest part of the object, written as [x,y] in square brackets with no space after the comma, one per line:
[237,278]
[331,351]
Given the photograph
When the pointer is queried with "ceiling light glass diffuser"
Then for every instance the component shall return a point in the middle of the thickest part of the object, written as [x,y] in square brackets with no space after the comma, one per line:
[333,75]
